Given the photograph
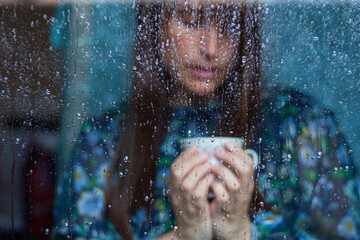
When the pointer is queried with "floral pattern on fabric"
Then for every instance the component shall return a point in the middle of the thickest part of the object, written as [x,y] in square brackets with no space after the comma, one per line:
[306,174]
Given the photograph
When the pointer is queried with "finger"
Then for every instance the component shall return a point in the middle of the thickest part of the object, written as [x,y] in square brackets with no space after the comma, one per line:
[235,158]
[191,151]
[195,175]
[186,162]
[231,146]
[221,195]
[202,188]
[231,182]
[239,151]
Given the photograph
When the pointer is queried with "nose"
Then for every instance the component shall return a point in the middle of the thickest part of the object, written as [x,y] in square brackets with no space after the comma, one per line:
[210,48]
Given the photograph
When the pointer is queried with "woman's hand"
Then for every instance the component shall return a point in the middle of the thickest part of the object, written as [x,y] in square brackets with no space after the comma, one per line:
[233,195]
[189,184]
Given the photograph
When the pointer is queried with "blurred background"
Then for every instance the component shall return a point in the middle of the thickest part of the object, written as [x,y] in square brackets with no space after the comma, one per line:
[62,63]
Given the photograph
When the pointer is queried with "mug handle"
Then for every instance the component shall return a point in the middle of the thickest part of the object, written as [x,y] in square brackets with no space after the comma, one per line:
[254,155]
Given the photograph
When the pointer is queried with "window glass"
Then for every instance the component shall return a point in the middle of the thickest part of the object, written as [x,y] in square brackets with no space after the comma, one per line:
[184,119]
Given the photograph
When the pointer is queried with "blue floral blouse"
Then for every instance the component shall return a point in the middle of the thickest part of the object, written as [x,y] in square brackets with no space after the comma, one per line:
[306,174]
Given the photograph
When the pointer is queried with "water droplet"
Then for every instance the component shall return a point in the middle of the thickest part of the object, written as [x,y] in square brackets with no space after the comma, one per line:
[214,224]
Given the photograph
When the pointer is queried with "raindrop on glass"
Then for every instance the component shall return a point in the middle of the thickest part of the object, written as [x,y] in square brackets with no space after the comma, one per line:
[214,224]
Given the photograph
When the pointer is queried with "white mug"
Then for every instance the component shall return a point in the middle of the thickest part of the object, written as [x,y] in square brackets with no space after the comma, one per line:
[211,144]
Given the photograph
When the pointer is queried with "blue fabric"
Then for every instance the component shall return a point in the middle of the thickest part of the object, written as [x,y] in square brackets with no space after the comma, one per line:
[306,175]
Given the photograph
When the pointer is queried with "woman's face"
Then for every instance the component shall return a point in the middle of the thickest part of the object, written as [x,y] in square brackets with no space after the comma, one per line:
[201,41]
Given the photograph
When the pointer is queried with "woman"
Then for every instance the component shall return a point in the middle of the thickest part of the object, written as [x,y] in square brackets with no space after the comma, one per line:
[193,71]
[197,73]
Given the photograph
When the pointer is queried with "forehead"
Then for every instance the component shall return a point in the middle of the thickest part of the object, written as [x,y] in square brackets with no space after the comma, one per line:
[204,5]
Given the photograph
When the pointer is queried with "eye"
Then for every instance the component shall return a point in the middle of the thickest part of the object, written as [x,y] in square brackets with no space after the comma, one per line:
[191,23]
[229,23]
[191,19]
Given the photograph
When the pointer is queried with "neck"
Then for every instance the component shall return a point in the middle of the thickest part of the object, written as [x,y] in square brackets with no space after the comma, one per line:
[183,97]
[192,99]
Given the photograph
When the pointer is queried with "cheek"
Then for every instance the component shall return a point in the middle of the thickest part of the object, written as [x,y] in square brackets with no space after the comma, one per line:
[185,47]
[176,52]
[175,43]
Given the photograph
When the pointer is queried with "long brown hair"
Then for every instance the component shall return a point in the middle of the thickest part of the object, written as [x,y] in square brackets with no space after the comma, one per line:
[134,165]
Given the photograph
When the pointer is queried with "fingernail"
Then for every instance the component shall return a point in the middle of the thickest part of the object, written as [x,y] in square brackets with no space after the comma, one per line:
[219,151]
[207,164]
[203,155]
[210,177]
[230,145]
[193,148]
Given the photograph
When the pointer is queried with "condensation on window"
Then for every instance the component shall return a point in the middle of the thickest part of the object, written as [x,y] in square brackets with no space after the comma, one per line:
[190,118]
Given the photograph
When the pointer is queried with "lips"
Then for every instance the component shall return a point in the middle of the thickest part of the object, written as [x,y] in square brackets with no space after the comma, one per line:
[202,72]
